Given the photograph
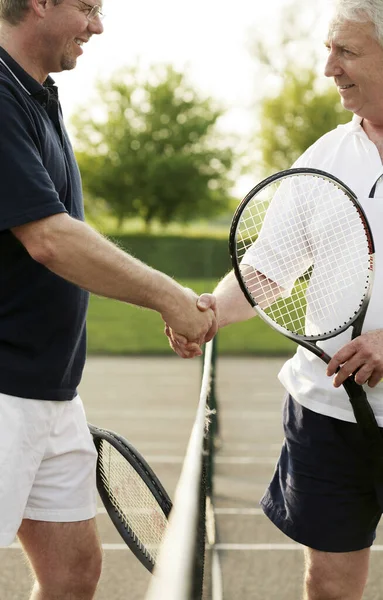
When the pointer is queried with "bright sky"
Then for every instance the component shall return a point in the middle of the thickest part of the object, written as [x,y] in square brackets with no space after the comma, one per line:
[209,37]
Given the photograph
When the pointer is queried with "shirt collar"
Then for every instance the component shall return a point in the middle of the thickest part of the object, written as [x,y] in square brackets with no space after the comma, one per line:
[355,124]
[30,85]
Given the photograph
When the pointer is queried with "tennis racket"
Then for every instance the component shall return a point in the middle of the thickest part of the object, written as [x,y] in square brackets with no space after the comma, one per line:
[303,254]
[132,495]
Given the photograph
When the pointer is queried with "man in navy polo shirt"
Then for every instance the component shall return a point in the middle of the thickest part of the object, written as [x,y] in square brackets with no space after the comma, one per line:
[50,261]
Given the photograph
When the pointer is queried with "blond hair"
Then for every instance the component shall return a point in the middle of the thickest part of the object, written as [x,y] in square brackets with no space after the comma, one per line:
[14,11]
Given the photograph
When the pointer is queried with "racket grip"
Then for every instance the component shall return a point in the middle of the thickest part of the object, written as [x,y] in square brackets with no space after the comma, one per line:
[366,420]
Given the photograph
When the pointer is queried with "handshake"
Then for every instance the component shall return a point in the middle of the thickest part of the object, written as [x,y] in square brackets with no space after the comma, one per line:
[194,322]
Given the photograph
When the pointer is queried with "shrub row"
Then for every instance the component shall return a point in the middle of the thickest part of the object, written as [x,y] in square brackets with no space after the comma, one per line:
[186,257]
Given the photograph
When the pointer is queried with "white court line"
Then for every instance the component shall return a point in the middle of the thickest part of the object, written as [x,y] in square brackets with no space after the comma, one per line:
[17,546]
[218,511]
[239,511]
[259,547]
[222,547]
[168,459]
[275,547]
[250,448]
[172,414]
[245,460]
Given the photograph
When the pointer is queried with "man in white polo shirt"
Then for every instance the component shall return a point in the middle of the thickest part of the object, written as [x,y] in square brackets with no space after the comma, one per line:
[323,493]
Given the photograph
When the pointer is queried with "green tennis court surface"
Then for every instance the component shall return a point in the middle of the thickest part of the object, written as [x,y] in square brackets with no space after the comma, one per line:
[152,402]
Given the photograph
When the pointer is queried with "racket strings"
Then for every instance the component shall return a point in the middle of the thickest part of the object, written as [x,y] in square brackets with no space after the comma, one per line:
[304,254]
[136,506]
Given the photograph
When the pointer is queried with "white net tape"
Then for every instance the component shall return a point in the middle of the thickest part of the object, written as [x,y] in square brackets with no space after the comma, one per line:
[174,570]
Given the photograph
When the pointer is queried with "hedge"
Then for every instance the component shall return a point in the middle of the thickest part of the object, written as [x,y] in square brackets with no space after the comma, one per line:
[186,257]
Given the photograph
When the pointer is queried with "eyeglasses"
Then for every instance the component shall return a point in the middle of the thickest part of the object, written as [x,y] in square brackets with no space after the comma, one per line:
[92,11]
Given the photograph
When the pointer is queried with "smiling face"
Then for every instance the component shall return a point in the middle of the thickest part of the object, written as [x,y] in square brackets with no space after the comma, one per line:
[65,29]
[356,63]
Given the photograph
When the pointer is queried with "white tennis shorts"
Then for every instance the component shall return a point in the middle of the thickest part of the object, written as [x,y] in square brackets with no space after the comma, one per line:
[47,463]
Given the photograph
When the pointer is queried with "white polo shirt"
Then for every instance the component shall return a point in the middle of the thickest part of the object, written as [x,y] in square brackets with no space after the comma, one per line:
[349,154]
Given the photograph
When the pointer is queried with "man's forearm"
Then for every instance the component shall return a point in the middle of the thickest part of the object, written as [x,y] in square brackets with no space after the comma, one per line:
[79,254]
[232,305]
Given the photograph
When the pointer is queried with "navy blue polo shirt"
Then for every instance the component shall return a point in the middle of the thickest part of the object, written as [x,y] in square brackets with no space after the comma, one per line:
[42,316]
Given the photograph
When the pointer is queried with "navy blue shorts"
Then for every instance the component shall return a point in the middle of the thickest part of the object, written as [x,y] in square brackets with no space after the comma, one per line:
[323,494]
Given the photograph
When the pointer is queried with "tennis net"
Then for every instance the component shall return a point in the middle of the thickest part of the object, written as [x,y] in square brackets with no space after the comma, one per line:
[181,572]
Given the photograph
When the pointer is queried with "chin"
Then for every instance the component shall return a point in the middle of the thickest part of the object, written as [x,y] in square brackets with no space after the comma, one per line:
[68,64]
[351,107]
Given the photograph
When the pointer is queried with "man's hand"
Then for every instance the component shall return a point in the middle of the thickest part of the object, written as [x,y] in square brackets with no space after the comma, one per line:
[362,356]
[191,327]
[180,343]
[229,305]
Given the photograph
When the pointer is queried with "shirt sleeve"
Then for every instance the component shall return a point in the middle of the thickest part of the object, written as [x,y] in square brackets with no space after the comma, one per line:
[27,192]
[282,251]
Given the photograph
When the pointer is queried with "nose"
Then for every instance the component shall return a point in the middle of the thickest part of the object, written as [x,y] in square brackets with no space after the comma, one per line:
[96,26]
[333,67]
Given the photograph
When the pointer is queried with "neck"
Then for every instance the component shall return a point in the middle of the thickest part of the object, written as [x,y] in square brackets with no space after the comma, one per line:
[375,133]
[373,130]
[16,41]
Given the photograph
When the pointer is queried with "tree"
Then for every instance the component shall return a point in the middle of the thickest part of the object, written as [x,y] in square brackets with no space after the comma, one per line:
[151,149]
[300,107]
[296,118]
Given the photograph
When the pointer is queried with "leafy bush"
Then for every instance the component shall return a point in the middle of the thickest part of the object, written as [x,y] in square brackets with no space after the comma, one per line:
[194,258]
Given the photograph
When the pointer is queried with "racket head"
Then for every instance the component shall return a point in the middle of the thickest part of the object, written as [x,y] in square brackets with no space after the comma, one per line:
[132,494]
[320,207]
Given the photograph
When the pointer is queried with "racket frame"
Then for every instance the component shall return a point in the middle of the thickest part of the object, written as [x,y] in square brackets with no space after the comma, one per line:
[308,342]
[363,412]
[145,472]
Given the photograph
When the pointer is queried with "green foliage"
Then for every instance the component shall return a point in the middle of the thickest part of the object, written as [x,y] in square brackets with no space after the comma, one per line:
[296,118]
[192,257]
[298,107]
[151,150]
[118,328]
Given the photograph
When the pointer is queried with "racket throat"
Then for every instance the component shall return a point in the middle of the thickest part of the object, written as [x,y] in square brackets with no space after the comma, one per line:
[312,347]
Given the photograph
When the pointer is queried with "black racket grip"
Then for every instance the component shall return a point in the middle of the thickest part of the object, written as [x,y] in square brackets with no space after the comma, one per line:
[366,420]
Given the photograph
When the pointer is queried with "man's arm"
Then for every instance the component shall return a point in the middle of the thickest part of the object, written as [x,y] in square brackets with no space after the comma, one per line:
[230,306]
[362,356]
[76,252]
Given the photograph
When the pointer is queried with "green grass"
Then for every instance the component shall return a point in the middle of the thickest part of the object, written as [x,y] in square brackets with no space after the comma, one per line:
[216,229]
[118,328]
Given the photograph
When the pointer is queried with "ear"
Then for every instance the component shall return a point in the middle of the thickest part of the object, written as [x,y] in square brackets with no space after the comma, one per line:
[39,7]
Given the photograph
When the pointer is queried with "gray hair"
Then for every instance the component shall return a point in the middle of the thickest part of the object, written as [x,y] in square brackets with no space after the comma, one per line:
[14,11]
[361,11]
